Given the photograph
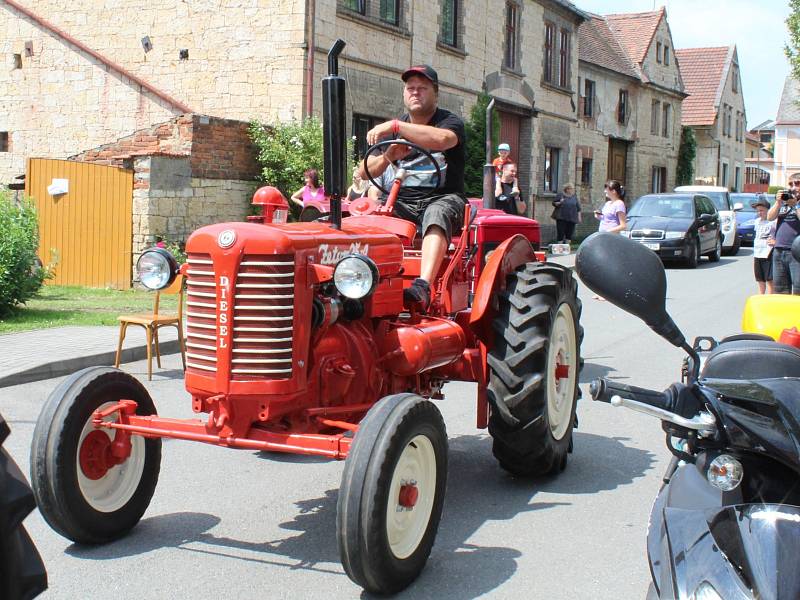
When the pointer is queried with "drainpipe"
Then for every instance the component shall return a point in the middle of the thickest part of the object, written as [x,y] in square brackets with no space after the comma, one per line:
[311,49]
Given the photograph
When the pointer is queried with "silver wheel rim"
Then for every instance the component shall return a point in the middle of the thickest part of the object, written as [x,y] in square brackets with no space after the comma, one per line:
[562,369]
[114,489]
[406,526]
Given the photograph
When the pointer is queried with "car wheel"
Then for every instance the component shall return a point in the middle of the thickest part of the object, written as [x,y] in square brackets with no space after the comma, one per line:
[717,252]
[692,253]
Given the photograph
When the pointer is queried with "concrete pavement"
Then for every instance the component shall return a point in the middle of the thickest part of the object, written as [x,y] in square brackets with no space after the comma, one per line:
[46,353]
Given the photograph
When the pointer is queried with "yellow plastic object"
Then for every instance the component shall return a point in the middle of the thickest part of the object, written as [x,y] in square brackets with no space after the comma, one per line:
[770,314]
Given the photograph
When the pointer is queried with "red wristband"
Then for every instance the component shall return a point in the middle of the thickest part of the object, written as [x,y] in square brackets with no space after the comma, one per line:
[395,126]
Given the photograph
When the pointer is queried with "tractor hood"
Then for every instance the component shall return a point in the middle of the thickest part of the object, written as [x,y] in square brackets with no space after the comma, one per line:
[318,242]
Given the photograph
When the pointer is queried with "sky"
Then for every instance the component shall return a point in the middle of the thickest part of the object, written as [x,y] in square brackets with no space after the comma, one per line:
[757,28]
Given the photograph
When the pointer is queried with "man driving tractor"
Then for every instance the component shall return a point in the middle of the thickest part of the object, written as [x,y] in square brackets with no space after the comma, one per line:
[442,213]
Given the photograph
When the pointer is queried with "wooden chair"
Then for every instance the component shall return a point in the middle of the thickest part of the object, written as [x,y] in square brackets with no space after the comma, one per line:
[152,323]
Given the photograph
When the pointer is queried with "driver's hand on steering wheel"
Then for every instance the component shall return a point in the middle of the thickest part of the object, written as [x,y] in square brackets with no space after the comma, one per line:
[379,132]
[396,152]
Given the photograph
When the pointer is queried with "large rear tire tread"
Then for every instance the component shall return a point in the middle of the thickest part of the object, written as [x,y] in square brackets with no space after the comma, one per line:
[22,572]
[520,423]
[54,463]
[361,526]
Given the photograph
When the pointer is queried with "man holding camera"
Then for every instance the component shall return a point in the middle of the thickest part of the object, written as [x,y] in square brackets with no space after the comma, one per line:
[785,269]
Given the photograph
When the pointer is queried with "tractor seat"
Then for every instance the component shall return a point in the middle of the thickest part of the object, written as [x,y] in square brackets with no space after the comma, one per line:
[752,359]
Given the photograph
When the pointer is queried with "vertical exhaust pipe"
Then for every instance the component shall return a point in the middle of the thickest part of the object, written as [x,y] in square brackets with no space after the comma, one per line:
[488,168]
[333,134]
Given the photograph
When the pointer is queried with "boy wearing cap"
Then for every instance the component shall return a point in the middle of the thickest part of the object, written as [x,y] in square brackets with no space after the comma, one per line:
[442,213]
[504,150]
[762,246]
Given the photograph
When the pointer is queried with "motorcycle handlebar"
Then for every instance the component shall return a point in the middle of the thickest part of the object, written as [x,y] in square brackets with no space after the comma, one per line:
[603,390]
[676,404]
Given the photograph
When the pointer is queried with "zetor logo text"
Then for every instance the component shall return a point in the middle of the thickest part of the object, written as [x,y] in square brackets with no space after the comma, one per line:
[332,255]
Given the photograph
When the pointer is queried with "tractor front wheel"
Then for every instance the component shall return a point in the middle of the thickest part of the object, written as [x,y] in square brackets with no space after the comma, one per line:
[81,492]
[533,370]
[392,493]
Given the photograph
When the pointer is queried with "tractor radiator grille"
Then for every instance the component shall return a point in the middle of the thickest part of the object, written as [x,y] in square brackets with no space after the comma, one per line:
[262,319]
[263,308]
[201,315]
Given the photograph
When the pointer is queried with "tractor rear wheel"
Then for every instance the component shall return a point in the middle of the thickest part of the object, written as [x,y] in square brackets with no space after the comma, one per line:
[22,573]
[534,368]
[392,493]
[82,495]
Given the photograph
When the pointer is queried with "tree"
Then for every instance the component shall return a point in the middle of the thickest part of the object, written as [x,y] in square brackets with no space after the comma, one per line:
[684,173]
[476,145]
[792,49]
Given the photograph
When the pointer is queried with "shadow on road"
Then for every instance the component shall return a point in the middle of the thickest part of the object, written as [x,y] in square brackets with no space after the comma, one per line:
[478,492]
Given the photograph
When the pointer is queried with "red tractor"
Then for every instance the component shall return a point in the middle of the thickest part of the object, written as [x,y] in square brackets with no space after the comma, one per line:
[297,341]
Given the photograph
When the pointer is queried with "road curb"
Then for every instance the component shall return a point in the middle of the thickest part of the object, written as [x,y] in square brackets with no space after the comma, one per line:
[67,366]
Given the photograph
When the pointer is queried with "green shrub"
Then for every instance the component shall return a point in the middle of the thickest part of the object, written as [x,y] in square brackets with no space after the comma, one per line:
[21,271]
[476,145]
[286,151]
[684,173]
[774,189]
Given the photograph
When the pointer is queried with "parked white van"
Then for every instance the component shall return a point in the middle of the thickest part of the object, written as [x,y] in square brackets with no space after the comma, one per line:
[722,200]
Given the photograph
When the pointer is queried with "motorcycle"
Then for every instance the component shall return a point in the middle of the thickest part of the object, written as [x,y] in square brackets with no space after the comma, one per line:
[726,522]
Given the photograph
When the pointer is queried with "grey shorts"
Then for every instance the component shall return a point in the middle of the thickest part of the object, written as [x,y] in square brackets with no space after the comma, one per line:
[445,211]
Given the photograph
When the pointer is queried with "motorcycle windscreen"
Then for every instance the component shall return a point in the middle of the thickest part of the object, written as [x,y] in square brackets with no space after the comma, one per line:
[763,542]
[745,551]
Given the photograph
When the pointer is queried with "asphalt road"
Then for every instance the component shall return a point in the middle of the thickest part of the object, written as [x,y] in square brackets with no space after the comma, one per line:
[240,524]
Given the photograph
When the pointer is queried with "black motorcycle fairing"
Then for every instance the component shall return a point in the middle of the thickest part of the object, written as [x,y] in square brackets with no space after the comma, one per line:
[688,490]
[763,542]
[744,551]
[761,416]
[691,557]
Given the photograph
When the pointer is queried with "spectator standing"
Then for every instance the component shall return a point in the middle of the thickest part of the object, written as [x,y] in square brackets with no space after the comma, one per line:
[785,269]
[504,150]
[312,190]
[567,213]
[763,241]
[613,216]
[507,196]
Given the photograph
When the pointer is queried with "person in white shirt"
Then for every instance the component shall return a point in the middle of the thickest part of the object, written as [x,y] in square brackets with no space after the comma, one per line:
[763,242]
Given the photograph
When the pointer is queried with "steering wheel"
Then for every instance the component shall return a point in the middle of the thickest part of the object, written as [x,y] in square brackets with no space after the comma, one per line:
[410,194]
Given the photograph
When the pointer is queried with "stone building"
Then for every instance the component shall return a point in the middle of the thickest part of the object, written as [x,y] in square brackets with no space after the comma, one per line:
[630,105]
[79,77]
[715,111]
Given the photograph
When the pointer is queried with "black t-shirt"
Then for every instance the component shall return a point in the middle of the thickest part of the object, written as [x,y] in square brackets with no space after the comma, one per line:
[507,201]
[455,157]
[788,226]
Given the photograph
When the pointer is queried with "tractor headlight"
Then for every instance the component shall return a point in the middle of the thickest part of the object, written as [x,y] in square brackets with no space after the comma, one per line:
[725,472]
[156,268]
[355,276]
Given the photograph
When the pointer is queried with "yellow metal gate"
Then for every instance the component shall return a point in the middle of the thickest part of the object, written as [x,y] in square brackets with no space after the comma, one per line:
[90,226]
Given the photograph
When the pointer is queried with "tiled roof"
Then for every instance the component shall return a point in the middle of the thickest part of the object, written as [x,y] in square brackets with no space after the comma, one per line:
[789,109]
[599,46]
[635,31]
[702,70]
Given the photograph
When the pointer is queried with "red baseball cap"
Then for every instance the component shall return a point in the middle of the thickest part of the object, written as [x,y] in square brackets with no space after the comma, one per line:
[424,71]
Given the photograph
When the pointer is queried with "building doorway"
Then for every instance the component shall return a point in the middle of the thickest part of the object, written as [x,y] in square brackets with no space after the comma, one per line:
[617,159]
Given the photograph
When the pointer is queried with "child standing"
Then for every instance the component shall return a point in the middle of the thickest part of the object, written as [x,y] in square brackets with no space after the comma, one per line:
[762,247]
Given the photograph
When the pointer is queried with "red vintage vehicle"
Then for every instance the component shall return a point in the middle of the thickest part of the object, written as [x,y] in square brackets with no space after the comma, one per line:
[297,341]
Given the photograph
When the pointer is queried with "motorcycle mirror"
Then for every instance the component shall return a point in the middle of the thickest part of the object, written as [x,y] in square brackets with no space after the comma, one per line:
[631,276]
[796,248]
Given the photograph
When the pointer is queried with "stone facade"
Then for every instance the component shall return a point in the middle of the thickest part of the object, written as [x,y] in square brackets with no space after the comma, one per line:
[189,172]
[609,67]
[715,111]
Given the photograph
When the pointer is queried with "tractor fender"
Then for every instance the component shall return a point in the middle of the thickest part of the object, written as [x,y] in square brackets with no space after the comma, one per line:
[509,255]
